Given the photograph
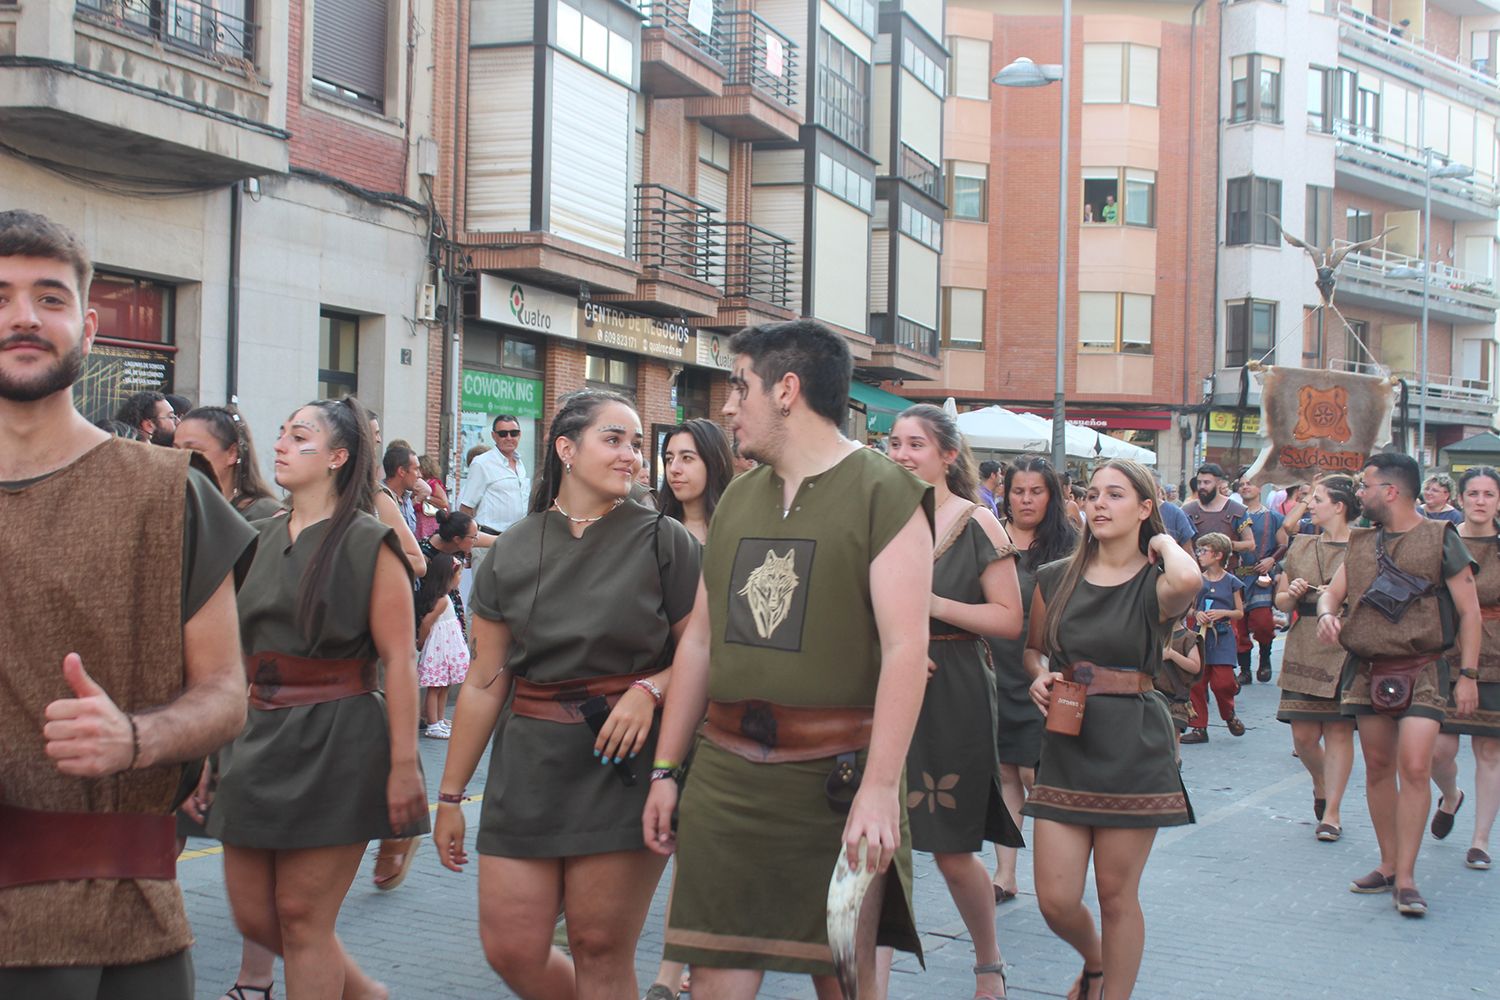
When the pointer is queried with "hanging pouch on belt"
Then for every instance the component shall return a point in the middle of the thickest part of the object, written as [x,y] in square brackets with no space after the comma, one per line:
[1393,681]
[842,783]
[1065,710]
[595,712]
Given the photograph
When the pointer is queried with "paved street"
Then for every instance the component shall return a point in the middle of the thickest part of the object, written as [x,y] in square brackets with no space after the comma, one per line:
[1245,904]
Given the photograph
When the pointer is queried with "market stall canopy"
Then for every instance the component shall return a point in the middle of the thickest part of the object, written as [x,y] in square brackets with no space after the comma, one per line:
[995,428]
[1478,444]
[881,407]
[1085,442]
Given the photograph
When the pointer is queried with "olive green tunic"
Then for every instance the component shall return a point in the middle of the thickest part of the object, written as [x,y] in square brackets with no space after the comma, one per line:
[310,775]
[596,606]
[953,781]
[1310,667]
[1120,770]
[1486,720]
[261,508]
[792,623]
[1018,722]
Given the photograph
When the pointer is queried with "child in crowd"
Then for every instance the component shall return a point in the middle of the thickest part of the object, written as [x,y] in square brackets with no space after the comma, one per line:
[445,655]
[1181,664]
[1220,603]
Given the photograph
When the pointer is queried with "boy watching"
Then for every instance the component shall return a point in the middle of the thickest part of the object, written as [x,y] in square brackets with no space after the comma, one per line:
[1220,603]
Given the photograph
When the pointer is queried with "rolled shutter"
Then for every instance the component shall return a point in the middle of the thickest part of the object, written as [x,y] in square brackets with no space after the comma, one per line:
[349,39]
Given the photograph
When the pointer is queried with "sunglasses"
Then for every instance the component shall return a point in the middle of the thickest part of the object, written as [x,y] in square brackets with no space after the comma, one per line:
[508,434]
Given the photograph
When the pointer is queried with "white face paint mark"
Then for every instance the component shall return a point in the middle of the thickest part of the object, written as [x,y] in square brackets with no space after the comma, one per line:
[308,449]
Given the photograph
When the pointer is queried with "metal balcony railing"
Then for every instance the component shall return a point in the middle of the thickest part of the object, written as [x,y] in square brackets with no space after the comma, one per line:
[675,233]
[757,263]
[914,336]
[1443,282]
[1395,43]
[674,16]
[922,172]
[219,29]
[1364,145]
[1454,390]
[757,54]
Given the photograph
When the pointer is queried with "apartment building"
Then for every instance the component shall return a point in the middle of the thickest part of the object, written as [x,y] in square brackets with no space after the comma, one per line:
[1336,119]
[1141,198]
[630,185]
[245,173]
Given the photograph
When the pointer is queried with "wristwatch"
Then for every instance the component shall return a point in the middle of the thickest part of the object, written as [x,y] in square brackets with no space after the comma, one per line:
[663,773]
[1472,673]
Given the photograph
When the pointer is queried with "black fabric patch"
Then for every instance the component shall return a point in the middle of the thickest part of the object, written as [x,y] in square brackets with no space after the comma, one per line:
[768,592]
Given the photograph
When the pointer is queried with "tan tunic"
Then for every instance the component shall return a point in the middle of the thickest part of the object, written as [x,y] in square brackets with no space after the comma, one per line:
[1486,552]
[1366,632]
[1310,665]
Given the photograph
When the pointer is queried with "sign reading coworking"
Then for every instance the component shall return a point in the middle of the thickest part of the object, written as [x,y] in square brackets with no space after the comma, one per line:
[491,392]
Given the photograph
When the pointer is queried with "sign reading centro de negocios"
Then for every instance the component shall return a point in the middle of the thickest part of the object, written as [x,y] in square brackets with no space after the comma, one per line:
[491,392]
[625,331]
[526,306]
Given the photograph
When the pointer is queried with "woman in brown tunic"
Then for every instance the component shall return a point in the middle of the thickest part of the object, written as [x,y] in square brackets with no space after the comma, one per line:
[1311,668]
[953,798]
[1105,791]
[576,611]
[1480,489]
[327,761]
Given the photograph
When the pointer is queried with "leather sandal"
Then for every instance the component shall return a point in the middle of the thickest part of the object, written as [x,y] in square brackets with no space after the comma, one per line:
[1084,979]
[1409,903]
[1373,883]
[1477,859]
[1004,895]
[991,969]
[239,991]
[1442,822]
[1328,833]
[396,856]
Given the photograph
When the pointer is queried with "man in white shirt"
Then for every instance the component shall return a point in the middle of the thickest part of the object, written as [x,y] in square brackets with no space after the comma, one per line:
[497,488]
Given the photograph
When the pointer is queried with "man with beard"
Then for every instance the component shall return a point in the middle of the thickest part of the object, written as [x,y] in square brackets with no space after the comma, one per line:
[809,656]
[152,416]
[1392,606]
[1213,511]
[120,660]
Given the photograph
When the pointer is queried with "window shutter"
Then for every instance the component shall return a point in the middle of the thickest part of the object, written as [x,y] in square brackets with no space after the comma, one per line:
[349,45]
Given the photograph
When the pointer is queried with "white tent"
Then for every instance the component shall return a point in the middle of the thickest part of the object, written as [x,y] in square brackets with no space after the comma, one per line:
[995,428]
[1078,441]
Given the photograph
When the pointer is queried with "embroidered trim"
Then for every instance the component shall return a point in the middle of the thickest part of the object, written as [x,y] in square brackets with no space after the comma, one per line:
[1101,802]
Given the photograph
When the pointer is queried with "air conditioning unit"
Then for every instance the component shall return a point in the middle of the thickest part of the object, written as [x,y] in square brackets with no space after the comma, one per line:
[427,303]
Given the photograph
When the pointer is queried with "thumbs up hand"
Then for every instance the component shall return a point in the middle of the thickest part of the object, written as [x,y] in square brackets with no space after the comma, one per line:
[87,735]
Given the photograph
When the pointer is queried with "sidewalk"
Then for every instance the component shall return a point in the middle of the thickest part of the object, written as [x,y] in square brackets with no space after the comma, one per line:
[1244,905]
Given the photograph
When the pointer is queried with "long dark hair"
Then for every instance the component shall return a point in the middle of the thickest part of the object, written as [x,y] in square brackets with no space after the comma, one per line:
[1144,485]
[348,424]
[230,431]
[435,584]
[575,412]
[961,477]
[1057,534]
[713,449]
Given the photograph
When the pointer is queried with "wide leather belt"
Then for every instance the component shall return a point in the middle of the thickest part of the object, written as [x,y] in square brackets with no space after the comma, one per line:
[39,846]
[1108,680]
[1307,609]
[562,701]
[766,733]
[280,680]
[1403,664]
[953,636]
[1489,612]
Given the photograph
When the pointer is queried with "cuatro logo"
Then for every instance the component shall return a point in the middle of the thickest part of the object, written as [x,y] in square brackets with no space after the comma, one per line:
[527,317]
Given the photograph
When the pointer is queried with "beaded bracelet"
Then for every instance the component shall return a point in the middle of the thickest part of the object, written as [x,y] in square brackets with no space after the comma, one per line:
[649,688]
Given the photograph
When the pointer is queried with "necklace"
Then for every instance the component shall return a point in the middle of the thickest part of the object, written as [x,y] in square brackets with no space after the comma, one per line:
[585,520]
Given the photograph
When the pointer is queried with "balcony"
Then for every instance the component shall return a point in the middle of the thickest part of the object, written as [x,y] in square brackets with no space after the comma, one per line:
[1367,163]
[1372,279]
[1450,399]
[678,244]
[1389,47]
[160,91]
[760,87]
[903,349]
[757,269]
[921,173]
[679,51]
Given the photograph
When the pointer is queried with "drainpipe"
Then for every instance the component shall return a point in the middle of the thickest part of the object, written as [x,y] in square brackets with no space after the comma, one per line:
[232,319]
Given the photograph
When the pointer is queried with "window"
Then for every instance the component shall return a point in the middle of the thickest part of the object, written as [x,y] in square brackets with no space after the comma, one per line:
[1114,323]
[1117,73]
[592,42]
[1357,342]
[1249,331]
[838,179]
[1322,97]
[222,29]
[1319,228]
[963,317]
[518,353]
[923,67]
[968,186]
[968,68]
[611,371]
[1359,225]
[1312,337]
[338,355]
[1251,202]
[1101,196]
[349,50]
[861,12]
[133,308]
[843,86]
[1255,89]
[922,227]
[713,147]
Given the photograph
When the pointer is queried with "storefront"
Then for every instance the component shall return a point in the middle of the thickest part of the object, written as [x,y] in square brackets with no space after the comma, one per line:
[1220,448]
[133,351]
[876,409]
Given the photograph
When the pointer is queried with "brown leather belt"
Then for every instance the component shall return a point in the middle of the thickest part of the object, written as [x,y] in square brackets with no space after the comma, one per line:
[1108,680]
[561,701]
[38,846]
[280,680]
[1489,612]
[953,636]
[1402,664]
[764,733]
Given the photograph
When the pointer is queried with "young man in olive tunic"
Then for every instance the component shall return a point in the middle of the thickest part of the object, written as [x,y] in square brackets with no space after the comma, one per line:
[804,645]
[119,655]
[1401,743]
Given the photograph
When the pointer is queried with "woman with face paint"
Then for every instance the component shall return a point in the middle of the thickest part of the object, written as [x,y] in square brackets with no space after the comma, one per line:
[327,761]
[576,611]
[1479,489]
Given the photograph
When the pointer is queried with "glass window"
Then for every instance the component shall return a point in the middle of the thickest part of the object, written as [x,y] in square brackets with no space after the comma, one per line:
[1249,331]
[963,317]
[569,29]
[1115,196]
[1250,204]
[843,85]
[1140,198]
[1320,100]
[595,43]
[523,354]
[611,371]
[921,66]
[1319,228]
[338,355]
[1101,194]
[133,308]
[967,187]
[1255,88]
[1117,72]
[1135,323]
[1312,338]
[1359,225]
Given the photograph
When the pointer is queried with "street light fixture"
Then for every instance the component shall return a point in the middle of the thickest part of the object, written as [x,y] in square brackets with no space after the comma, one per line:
[1025,73]
[1448,171]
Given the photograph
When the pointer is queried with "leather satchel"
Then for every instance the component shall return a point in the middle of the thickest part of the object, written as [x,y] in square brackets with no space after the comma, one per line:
[1394,590]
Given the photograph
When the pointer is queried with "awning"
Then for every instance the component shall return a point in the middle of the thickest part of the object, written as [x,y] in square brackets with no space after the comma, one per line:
[881,407]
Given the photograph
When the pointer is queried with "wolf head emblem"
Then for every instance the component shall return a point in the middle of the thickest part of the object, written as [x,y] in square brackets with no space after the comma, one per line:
[769,589]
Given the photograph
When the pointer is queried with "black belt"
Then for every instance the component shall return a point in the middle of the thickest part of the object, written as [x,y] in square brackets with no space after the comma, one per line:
[1307,608]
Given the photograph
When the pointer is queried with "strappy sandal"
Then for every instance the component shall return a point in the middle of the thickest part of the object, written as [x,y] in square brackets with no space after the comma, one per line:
[238,991]
[991,969]
[1084,979]
[406,850]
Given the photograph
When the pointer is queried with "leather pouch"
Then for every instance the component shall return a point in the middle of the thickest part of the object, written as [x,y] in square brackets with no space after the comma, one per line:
[1394,590]
[1065,710]
[1392,685]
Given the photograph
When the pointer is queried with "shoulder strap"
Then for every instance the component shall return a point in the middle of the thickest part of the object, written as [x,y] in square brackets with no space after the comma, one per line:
[954,530]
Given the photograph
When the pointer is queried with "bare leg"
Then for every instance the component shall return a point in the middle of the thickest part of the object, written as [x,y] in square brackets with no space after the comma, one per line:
[310,888]
[1306,737]
[1015,783]
[970,888]
[1338,761]
[257,966]
[434,704]
[519,899]
[605,899]
[250,881]
[1119,858]
[729,984]
[1486,788]
[1060,864]
[1414,761]
[1445,769]
[1377,740]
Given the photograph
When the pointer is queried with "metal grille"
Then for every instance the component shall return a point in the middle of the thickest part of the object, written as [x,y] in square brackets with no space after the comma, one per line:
[219,28]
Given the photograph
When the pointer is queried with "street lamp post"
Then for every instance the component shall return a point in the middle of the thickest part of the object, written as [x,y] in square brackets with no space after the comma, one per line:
[1025,73]
[1448,170]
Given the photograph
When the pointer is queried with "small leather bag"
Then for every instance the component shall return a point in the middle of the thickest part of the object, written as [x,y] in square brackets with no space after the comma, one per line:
[1393,681]
[1065,710]
[1394,590]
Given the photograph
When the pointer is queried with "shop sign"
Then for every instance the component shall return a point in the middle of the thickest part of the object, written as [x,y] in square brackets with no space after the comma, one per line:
[625,331]
[491,392]
[512,303]
[1225,422]
[1111,420]
[713,350]
[112,374]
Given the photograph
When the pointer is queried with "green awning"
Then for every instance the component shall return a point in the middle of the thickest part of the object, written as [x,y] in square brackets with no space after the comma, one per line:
[881,407]
[1482,444]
